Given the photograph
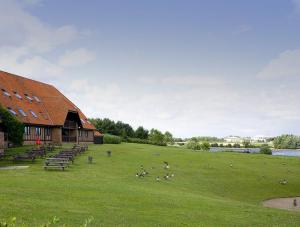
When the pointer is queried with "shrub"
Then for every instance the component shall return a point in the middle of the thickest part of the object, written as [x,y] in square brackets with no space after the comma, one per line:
[14,128]
[194,145]
[144,141]
[229,145]
[214,145]
[205,146]
[265,149]
[236,145]
[111,139]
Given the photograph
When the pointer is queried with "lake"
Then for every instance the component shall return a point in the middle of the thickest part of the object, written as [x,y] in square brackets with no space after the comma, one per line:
[282,152]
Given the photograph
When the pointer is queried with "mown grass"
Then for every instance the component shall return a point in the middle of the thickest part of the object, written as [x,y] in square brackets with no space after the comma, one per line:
[206,190]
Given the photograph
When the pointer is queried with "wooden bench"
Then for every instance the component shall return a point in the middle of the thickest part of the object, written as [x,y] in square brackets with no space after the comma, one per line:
[24,157]
[56,163]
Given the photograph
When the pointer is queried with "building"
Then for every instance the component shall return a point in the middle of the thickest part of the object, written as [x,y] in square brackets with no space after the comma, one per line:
[260,139]
[233,139]
[46,113]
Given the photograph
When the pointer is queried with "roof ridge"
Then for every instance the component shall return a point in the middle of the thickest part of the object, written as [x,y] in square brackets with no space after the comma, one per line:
[26,78]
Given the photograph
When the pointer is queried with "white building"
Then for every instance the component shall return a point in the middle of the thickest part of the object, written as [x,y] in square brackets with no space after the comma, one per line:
[233,139]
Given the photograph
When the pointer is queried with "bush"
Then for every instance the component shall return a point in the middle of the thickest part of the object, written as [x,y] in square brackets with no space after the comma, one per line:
[214,145]
[14,128]
[144,141]
[236,145]
[194,145]
[265,149]
[111,139]
[205,146]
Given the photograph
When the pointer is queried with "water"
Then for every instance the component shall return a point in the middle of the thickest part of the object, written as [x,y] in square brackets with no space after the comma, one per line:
[293,153]
[281,152]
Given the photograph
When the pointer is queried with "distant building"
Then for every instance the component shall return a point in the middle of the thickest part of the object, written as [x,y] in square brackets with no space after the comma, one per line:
[46,113]
[233,139]
[260,139]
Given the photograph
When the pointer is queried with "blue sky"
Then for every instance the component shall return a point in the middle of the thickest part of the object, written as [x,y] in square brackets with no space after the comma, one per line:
[191,67]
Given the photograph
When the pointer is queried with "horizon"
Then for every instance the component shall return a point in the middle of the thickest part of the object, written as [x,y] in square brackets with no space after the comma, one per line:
[214,68]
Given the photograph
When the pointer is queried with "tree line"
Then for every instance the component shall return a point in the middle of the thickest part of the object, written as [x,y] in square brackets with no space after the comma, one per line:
[127,133]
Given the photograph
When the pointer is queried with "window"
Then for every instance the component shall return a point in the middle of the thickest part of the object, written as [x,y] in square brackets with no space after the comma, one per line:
[11,111]
[17,95]
[22,112]
[86,133]
[38,131]
[47,131]
[5,92]
[27,130]
[33,114]
[36,99]
[83,121]
[28,97]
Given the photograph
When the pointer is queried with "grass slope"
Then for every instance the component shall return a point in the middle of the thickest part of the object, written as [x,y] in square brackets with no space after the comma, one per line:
[205,191]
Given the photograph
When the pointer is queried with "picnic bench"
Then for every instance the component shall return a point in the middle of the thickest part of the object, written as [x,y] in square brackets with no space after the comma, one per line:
[56,163]
[24,157]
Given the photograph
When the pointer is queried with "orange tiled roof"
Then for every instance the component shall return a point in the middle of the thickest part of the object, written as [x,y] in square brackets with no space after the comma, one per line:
[97,133]
[51,106]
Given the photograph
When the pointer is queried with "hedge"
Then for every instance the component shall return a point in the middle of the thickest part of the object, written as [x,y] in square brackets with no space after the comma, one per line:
[111,139]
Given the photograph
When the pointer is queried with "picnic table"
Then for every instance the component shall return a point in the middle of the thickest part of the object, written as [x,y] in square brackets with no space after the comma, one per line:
[24,157]
[56,163]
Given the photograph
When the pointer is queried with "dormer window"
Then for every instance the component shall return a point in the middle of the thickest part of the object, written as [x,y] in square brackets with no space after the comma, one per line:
[28,97]
[22,112]
[11,111]
[5,92]
[36,99]
[33,114]
[17,95]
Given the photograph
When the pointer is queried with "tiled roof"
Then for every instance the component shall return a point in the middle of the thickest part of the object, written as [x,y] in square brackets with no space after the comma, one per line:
[50,105]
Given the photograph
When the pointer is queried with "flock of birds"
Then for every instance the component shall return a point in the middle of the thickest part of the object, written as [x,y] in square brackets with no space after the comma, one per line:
[143,172]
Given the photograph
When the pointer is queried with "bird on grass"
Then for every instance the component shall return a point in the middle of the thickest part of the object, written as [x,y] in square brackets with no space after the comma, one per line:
[283,182]
[166,165]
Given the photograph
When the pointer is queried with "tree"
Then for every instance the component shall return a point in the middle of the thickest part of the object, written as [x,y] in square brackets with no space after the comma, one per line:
[14,128]
[168,138]
[193,144]
[287,142]
[156,137]
[265,149]
[141,133]
[205,146]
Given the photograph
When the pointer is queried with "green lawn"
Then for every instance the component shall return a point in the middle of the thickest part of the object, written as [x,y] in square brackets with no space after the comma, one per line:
[206,190]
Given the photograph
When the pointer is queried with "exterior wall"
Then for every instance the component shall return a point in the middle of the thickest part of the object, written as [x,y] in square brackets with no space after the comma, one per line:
[56,135]
[86,136]
[33,132]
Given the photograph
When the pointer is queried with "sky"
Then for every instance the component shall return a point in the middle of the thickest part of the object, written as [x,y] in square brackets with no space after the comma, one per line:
[192,67]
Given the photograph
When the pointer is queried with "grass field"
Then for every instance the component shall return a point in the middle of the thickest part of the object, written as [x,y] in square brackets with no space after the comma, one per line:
[206,190]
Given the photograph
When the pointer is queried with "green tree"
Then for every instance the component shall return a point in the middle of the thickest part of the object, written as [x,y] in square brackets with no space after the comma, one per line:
[265,149]
[141,133]
[205,146]
[156,137]
[14,128]
[168,138]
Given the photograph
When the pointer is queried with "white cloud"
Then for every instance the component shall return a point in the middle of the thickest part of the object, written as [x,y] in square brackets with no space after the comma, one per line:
[284,66]
[28,45]
[76,57]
